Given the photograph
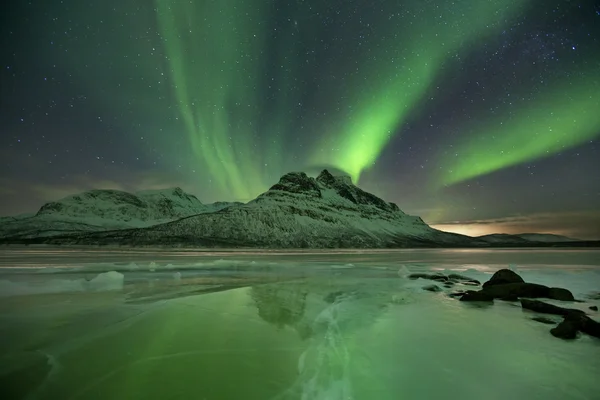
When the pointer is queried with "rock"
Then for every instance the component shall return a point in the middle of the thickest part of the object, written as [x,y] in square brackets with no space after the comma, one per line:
[448,281]
[588,325]
[502,277]
[520,289]
[560,294]
[418,275]
[544,320]
[545,308]
[456,294]
[509,298]
[477,296]
[565,330]
[574,322]
[432,288]
[594,308]
[438,277]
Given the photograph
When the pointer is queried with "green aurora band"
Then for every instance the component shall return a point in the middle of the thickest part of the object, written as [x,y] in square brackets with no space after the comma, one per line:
[563,116]
[209,44]
[386,93]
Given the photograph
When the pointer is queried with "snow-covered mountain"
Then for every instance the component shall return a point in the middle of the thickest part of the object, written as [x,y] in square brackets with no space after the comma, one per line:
[297,212]
[98,210]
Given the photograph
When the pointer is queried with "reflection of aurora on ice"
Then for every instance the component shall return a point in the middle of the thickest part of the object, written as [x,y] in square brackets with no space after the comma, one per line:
[331,335]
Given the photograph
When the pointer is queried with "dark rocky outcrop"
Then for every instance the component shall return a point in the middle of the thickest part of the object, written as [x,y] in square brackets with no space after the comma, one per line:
[594,308]
[565,330]
[521,289]
[449,280]
[507,285]
[477,296]
[560,294]
[432,288]
[544,320]
[574,320]
[545,308]
[503,276]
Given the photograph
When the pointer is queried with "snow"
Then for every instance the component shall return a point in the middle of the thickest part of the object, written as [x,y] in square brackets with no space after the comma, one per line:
[143,316]
[99,210]
[298,212]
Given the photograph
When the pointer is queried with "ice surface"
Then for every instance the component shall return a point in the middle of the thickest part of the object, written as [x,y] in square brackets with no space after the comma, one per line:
[300,326]
[110,280]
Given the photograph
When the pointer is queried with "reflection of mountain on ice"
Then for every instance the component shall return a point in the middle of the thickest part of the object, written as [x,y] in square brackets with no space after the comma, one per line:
[326,367]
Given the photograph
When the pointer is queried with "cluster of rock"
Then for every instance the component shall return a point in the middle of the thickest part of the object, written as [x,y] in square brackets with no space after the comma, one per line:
[507,285]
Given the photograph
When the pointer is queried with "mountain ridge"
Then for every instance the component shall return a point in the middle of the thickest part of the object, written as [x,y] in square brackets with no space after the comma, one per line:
[296,212]
[106,209]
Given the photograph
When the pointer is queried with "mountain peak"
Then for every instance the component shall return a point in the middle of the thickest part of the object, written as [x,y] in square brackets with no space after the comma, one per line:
[327,178]
[297,182]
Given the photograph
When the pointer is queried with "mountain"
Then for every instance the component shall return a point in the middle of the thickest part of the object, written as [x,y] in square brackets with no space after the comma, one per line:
[297,212]
[525,238]
[504,238]
[98,210]
[546,237]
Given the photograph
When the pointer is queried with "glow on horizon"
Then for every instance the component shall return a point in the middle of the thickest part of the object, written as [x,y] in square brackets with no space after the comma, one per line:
[475,229]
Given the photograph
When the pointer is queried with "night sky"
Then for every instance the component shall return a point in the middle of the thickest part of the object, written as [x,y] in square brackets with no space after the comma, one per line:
[479,116]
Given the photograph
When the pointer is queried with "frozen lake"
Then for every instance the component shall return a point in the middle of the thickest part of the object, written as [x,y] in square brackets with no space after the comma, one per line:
[147,324]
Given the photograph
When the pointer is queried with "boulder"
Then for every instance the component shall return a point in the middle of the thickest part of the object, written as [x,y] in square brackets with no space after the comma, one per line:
[519,289]
[594,308]
[438,277]
[590,327]
[565,330]
[560,294]
[545,308]
[509,291]
[432,288]
[576,322]
[450,279]
[502,277]
[477,296]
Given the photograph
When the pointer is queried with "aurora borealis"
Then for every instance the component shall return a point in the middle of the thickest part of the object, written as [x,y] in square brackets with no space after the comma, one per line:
[466,113]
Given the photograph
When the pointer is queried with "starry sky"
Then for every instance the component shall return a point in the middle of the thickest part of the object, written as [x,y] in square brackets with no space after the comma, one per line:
[479,116]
